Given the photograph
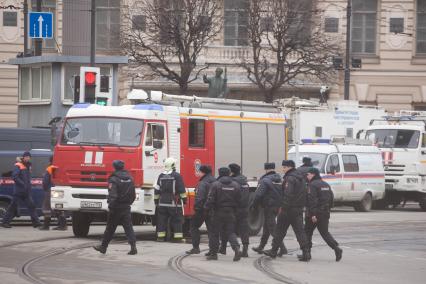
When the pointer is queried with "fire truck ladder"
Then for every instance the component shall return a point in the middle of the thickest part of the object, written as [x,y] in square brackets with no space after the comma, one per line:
[209,103]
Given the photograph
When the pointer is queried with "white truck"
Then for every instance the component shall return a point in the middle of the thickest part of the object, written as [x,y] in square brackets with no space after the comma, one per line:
[402,140]
[309,119]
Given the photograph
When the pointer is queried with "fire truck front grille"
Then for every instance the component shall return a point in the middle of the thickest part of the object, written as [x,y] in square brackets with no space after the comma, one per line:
[88,176]
[90,196]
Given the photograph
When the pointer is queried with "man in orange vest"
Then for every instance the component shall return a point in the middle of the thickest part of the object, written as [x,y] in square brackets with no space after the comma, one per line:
[21,175]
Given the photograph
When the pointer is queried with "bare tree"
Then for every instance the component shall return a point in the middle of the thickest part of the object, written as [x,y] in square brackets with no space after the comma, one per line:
[287,45]
[168,36]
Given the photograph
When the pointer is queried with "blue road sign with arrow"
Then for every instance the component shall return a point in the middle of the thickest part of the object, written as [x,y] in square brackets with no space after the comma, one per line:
[40,25]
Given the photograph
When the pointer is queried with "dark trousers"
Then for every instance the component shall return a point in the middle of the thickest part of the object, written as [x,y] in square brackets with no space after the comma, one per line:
[175,215]
[13,208]
[117,217]
[269,225]
[196,222]
[241,228]
[223,222]
[322,225]
[293,217]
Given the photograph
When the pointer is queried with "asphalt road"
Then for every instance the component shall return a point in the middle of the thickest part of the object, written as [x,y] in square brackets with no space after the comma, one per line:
[379,247]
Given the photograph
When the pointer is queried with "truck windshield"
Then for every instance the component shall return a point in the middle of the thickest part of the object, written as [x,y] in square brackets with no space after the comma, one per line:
[394,138]
[102,131]
[318,159]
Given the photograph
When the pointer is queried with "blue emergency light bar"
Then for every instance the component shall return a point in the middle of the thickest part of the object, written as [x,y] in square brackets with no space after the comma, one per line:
[316,141]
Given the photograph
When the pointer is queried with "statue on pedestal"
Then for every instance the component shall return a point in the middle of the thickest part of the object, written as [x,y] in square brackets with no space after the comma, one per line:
[217,84]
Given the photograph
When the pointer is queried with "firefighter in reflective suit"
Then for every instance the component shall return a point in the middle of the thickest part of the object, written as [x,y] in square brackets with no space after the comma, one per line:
[170,196]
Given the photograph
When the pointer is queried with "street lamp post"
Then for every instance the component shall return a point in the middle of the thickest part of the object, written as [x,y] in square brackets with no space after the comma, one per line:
[348,50]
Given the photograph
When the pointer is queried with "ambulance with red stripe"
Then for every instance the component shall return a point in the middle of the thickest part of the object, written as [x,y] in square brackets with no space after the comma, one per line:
[353,168]
[195,131]
[402,140]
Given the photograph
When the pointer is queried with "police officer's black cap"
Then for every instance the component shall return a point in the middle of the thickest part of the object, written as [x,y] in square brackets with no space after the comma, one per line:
[26,154]
[205,169]
[288,163]
[314,171]
[118,165]
[235,168]
[224,172]
[307,160]
[269,166]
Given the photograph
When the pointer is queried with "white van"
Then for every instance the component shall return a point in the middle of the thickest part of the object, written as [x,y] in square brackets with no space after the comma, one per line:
[354,171]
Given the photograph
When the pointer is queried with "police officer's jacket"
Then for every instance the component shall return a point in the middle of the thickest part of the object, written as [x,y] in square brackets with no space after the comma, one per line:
[224,193]
[170,190]
[303,169]
[269,192]
[121,190]
[202,191]
[294,190]
[21,175]
[245,191]
[320,197]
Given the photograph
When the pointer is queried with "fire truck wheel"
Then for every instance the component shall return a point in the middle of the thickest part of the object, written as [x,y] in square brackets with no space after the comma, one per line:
[365,204]
[80,224]
[137,219]
[3,208]
[422,204]
[255,220]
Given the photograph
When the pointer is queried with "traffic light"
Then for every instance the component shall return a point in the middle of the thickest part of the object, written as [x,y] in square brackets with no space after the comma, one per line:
[89,84]
[89,87]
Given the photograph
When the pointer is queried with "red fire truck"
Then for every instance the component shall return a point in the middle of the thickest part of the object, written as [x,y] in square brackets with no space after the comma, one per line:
[193,130]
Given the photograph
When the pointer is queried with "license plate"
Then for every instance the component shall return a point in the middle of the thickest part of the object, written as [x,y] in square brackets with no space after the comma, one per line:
[90,204]
[389,186]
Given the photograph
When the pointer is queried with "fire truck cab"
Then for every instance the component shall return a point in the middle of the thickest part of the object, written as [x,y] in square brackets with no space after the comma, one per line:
[402,140]
[193,130]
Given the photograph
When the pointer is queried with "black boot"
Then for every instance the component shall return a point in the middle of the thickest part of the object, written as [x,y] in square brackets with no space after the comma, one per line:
[222,249]
[300,256]
[259,249]
[62,224]
[46,224]
[193,251]
[244,253]
[100,248]
[237,254]
[271,252]
[133,249]
[306,255]
[338,251]
[282,251]
[212,256]
[208,253]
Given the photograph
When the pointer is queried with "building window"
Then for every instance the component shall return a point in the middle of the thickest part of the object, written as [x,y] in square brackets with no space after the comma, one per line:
[331,25]
[35,84]
[197,133]
[236,20]
[318,131]
[108,24]
[47,6]
[139,23]
[350,163]
[349,132]
[364,26]
[10,19]
[421,27]
[396,25]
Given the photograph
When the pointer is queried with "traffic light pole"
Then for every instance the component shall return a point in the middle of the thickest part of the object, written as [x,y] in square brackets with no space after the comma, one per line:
[93,33]
[25,28]
[348,50]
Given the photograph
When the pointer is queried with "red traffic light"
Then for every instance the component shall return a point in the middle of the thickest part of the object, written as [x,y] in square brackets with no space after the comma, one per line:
[90,78]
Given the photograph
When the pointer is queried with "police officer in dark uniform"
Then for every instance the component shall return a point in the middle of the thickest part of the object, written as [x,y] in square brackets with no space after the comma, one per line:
[170,196]
[242,225]
[291,211]
[269,196]
[307,164]
[201,193]
[224,200]
[21,175]
[320,200]
[121,194]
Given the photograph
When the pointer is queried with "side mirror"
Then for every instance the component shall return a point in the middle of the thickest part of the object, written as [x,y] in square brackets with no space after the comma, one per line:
[73,133]
[157,144]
